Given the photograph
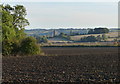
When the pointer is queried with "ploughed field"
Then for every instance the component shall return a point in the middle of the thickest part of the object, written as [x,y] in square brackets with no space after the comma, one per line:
[68,64]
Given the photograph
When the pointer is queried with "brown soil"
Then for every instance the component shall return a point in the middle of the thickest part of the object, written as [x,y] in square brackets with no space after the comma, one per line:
[78,65]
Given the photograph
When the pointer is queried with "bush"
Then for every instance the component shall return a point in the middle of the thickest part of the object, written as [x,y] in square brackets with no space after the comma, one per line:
[29,46]
[88,39]
[41,39]
[16,48]
[63,35]
[98,31]
[6,48]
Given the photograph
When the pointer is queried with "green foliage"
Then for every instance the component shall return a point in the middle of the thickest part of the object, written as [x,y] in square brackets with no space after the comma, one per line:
[63,35]
[8,32]
[98,31]
[88,39]
[104,37]
[29,46]
[69,37]
[15,48]
[101,30]
[99,38]
[19,17]
[94,39]
[6,48]
[91,31]
[41,39]
[0,36]
[14,39]
[0,30]
[116,40]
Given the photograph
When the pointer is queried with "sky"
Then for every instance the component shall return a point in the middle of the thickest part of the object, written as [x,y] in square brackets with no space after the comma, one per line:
[59,0]
[70,14]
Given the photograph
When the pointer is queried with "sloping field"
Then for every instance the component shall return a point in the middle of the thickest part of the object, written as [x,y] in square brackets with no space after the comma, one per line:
[78,65]
[57,39]
[111,34]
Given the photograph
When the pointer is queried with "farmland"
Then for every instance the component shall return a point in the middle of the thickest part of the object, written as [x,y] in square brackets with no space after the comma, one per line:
[111,35]
[69,64]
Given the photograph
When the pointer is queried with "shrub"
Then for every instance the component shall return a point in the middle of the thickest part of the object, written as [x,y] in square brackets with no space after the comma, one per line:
[6,48]
[89,39]
[98,31]
[29,46]
[104,37]
[16,48]
[41,39]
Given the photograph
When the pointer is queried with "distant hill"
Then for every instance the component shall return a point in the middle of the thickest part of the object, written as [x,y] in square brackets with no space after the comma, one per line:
[115,30]
[78,33]
[58,39]
[50,32]
[111,35]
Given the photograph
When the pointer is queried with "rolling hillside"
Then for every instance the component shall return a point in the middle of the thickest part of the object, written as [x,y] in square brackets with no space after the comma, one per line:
[50,32]
[58,39]
[111,35]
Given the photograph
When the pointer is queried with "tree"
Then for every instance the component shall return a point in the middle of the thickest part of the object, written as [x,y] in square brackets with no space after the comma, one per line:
[99,38]
[44,39]
[29,46]
[8,33]
[7,8]
[91,31]
[19,14]
[41,39]
[19,20]
[104,37]
[7,27]
[101,30]
[88,39]
[98,31]
[13,36]
[62,34]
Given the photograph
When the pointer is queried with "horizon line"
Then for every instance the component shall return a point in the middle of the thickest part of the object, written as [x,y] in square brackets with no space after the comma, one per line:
[73,28]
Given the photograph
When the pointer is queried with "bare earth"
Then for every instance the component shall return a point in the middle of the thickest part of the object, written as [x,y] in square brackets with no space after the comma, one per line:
[78,65]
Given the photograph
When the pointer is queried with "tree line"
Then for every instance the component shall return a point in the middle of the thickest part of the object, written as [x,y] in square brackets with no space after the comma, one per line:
[98,31]
[94,39]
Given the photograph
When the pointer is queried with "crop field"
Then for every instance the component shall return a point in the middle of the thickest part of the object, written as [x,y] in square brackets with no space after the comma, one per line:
[111,35]
[87,65]
[62,44]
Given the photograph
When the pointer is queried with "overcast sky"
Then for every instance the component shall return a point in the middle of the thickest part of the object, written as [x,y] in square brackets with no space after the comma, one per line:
[70,14]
